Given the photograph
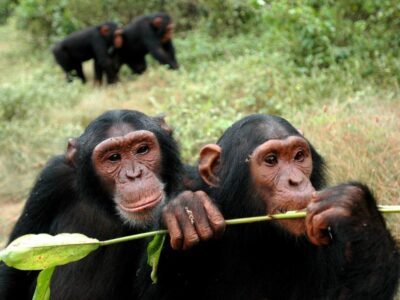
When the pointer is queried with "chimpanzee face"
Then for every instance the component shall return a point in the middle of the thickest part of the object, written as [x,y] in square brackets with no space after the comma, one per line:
[280,173]
[128,164]
[262,164]
[118,38]
[168,33]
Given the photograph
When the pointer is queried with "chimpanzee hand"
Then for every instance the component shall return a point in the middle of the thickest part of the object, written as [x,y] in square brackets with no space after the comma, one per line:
[191,217]
[348,206]
[174,65]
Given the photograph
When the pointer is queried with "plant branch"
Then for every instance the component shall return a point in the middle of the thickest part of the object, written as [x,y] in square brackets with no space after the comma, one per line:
[288,215]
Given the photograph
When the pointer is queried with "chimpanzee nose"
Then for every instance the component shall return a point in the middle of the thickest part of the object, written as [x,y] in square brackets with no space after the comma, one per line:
[133,172]
[296,177]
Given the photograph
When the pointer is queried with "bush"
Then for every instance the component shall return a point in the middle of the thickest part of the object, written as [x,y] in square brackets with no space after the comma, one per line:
[314,33]
[52,19]
[323,33]
[6,9]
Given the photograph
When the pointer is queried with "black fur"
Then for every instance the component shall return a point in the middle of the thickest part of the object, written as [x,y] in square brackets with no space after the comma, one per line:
[71,199]
[261,260]
[87,44]
[141,38]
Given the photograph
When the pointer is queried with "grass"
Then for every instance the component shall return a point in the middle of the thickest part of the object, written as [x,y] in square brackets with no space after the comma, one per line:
[352,120]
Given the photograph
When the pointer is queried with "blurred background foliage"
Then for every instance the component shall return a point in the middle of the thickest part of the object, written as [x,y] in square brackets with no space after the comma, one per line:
[331,67]
[316,33]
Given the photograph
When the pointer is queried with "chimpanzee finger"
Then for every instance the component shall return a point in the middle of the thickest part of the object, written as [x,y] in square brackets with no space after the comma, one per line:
[321,196]
[185,217]
[320,201]
[216,220]
[318,227]
[175,232]
[190,207]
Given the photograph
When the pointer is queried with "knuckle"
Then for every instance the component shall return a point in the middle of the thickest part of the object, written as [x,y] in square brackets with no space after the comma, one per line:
[186,194]
[200,194]
[318,221]
[205,232]
[192,238]
[219,223]
[177,237]
[312,207]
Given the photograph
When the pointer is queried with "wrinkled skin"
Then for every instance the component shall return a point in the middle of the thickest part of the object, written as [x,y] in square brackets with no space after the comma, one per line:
[342,205]
[128,165]
[263,165]
[281,171]
[207,223]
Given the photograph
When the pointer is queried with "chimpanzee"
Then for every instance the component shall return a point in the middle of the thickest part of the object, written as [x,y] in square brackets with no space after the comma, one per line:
[147,34]
[98,42]
[263,165]
[112,181]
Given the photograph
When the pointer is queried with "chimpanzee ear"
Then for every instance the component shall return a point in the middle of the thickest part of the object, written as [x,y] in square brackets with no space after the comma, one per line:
[104,30]
[72,152]
[209,161]
[156,22]
[160,119]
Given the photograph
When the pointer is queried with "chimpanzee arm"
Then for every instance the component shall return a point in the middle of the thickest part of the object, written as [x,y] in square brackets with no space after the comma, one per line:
[104,61]
[170,50]
[371,266]
[54,188]
[157,50]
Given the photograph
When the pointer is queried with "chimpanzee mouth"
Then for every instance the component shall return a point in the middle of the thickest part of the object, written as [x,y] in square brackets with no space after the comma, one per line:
[143,205]
[285,210]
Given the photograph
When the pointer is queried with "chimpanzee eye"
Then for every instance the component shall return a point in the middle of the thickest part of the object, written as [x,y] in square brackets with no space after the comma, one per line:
[271,159]
[300,156]
[143,149]
[114,157]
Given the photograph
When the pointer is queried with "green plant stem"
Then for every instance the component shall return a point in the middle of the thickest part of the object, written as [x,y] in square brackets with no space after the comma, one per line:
[132,237]
[389,208]
[288,215]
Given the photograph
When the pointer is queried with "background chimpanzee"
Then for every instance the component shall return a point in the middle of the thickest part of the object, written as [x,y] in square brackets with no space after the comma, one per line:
[112,181]
[263,165]
[97,42]
[148,34]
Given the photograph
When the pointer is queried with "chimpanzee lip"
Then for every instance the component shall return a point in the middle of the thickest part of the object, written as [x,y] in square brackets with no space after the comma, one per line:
[283,210]
[146,205]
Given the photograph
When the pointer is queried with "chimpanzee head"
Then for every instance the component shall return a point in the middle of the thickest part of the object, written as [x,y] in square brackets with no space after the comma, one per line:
[112,33]
[262,165]
[127,162]
[163,25]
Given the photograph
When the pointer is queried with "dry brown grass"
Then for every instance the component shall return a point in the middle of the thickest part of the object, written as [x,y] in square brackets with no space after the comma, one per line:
[360,142]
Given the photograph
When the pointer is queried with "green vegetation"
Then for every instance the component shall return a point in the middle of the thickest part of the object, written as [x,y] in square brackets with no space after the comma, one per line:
[332,68]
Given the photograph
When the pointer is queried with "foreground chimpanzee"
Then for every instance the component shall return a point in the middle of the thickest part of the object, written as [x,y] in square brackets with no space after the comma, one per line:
[263,165]
[113,181]
[98,42]
[148,34]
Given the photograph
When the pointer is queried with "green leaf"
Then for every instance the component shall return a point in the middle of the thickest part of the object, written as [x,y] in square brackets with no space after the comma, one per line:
[42,251]
[42,291]
[153,254]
